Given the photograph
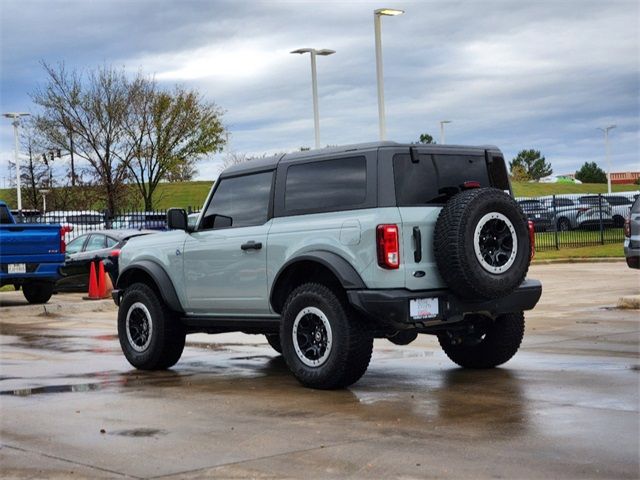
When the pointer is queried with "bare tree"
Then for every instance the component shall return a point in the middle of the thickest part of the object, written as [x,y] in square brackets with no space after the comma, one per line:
[166,134]
[94,109]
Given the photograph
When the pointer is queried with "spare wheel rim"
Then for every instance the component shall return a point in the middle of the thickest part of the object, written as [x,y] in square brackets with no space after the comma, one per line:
[495,243]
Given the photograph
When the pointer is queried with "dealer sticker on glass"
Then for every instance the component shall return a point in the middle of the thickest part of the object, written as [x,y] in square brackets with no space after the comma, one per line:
[423,308]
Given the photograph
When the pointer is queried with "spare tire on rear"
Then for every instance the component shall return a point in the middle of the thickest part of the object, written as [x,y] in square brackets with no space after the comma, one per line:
[481,244]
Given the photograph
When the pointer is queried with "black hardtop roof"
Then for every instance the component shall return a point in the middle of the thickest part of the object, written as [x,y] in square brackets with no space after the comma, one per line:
[267,163]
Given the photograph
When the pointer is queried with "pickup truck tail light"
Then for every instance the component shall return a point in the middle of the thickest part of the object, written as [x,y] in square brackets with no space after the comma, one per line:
[388,246]
[63,245]
[532,238]
[627,227]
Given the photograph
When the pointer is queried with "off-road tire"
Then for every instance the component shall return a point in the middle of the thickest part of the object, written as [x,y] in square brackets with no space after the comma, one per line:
[37,292]
[501,342]
[167,336]
[352,342]
[454,246]
[274,340]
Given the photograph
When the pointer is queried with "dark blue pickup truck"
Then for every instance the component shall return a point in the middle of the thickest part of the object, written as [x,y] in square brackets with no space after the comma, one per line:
[31,255]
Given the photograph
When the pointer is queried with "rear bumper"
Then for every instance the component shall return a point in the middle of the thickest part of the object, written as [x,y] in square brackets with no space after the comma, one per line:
[391,307]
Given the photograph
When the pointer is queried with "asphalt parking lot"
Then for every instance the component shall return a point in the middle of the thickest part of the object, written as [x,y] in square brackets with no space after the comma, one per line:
[565,407]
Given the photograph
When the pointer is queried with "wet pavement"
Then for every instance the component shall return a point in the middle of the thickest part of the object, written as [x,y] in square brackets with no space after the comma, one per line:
[567,406]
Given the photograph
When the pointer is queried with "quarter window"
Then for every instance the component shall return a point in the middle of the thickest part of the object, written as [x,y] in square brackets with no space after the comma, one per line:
[244,200]
[327,185]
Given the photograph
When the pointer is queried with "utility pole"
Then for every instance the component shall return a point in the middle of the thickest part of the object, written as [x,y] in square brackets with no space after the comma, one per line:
[16,123]
[607,153]
[442,124]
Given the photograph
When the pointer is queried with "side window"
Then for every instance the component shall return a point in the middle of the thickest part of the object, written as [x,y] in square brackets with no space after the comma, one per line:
[75,245]
[326,185]
[5,218]
[111,242]
[96,242]
[239,202]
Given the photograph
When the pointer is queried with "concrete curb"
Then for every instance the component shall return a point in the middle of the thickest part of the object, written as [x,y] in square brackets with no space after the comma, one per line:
[631,302]
[13,306]
[579,260]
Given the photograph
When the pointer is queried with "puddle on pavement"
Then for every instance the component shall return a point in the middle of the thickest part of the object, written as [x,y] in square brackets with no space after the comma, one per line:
[139,432]
[27,392]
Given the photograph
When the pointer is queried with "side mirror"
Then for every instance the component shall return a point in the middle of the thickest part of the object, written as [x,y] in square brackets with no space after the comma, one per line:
[177,219]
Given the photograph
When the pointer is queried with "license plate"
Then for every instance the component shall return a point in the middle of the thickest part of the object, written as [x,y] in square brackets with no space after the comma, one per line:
[17,268]
[423,308]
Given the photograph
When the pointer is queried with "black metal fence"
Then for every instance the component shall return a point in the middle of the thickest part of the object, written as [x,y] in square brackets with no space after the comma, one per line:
[581,220]
[80,222]
[560,221]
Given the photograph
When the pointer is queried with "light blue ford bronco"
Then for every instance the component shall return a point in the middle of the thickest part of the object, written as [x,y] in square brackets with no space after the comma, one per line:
[323,251]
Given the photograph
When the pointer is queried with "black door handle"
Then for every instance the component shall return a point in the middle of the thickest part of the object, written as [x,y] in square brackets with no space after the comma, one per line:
[417,239]
[251,245]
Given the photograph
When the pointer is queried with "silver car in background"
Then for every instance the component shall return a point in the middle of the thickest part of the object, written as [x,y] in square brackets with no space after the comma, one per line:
[632,236]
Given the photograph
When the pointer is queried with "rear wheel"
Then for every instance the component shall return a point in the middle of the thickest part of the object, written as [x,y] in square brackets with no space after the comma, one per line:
[564,225]
[324,342]
[37,292]
[274,341]
[150,336]
[488,343]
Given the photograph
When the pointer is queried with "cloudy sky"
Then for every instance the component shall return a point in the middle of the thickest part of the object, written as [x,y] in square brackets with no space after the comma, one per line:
[535,74]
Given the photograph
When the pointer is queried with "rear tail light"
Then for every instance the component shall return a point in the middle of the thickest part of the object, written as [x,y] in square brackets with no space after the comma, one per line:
[532,239]
[115,253]
[627,227]
[63,245]
[388,246]
[471,184]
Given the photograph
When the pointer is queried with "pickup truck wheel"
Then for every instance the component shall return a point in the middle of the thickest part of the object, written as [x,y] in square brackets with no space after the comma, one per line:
[150,336]
[564,225]
[324,343]
[491,343]
[37,292]
[274,341]
[481,244]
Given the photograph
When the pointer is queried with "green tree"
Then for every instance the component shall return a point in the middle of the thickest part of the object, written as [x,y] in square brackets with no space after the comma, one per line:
[167,132]
[426,138]
[519,174]
[590,172]
[533,163]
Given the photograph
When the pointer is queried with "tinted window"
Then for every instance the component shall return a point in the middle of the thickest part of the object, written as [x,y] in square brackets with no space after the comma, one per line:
[636,205]
[75,245]
[5,218]
[563,202]
[339,184]
[618,200]
[111,242]
[245,199]
[96,242]
[435,177]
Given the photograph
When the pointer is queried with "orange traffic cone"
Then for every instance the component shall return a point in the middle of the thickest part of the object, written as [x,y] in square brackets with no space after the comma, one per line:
[94,293]
[109,284]
[102,283]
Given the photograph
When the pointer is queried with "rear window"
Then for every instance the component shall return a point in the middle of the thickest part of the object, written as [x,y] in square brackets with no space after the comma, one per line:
[619,200]
[326,185]
[85,219]
[435,177]
[5,217]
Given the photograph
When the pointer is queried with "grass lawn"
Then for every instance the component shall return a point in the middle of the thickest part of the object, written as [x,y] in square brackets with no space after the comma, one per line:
[611,250]
[574,238]
[525,189]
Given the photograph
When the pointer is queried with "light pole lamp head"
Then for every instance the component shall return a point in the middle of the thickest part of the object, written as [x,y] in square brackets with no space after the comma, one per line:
[445,121]
[388,12]
[15,114]
[323,51]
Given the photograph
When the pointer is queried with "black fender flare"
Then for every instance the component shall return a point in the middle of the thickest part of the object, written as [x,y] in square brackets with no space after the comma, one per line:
[348,277]
[159,276]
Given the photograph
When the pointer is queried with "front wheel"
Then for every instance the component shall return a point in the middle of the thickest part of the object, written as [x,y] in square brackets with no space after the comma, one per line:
[150,336]
[487,344]
[37,292]
[325,344]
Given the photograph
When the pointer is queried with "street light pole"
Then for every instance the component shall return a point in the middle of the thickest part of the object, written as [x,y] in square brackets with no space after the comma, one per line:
[442,123]
[314,85]
[607,153]
[382,121]
[16,122]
